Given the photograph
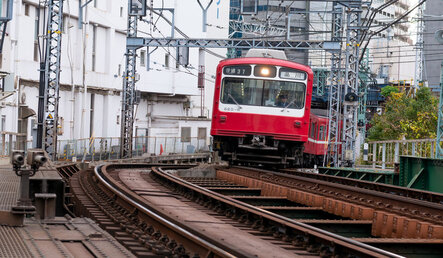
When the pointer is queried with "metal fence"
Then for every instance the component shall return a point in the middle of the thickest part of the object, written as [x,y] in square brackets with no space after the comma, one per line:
[11,141]
[387,153]
[107,148]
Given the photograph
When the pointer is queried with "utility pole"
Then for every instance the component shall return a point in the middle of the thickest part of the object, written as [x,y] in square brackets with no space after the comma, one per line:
[440,119]
[418,76]
[49,90]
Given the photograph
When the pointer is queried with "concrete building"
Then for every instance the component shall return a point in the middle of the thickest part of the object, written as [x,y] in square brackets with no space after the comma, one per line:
[391,52]
[91,79]
[433,42]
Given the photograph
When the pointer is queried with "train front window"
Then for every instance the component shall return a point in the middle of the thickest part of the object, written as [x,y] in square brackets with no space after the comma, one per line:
[253,92]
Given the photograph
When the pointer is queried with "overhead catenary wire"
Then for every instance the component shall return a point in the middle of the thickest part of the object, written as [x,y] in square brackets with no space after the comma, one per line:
[389,25]
[181,32]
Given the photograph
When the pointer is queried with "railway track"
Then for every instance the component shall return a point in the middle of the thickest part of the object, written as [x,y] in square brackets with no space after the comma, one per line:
[153,212]
[404,225]
[415,204]
[421,195]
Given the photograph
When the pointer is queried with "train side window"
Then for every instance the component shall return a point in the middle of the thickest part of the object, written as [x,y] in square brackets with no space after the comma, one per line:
[312,130]
[315,131]
[322,133]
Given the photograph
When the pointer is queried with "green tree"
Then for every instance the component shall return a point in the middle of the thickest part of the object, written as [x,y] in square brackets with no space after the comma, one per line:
[387,90]
[408,118]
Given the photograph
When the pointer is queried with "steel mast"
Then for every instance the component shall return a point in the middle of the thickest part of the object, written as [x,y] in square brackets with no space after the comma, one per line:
[48,104]
[335,87]
[136,9]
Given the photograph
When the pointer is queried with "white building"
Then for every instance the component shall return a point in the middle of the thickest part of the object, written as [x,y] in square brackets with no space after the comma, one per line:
[391,52]
[170,98]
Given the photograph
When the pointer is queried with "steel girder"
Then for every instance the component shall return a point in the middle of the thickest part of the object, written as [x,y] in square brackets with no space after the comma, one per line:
[52,76]
[128,94]
[255,29]
[135,43]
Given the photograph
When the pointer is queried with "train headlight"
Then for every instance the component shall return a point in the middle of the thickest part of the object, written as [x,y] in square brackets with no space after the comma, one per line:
[265,71]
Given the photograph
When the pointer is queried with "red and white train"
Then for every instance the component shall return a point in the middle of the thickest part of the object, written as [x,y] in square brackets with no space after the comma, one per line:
[262,112]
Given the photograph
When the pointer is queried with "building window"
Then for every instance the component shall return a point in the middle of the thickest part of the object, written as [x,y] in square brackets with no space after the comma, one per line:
[64,24]
[201,133]
[27,8]
[95,3]
[121,11]
[248,6]
[186,134]
[167,60]
[91,116]
[36,51]
[143,58]
[182,57]
[36,45]
[94,46]
[3,123]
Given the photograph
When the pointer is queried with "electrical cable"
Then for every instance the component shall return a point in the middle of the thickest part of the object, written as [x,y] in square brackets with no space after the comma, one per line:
[389,25]
[181,32]
[161,13]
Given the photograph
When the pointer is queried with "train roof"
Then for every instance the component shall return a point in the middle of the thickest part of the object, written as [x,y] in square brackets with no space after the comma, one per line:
[269,53]
[266,60]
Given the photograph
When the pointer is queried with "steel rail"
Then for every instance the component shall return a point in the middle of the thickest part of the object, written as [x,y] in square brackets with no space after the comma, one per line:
[322,235]
[174,227]
[397,193]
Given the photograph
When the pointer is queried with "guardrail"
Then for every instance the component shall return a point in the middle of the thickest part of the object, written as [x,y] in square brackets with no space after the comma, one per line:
[387,153]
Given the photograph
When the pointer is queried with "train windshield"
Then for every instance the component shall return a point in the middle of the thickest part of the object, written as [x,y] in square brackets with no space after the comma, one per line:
[253,92]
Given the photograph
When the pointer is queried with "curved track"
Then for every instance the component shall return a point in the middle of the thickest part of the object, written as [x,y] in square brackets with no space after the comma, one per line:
[159,214]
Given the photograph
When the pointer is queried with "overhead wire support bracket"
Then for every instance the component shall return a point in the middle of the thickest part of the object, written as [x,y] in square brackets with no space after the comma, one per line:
[80,12]
[205,13]
[135,43]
